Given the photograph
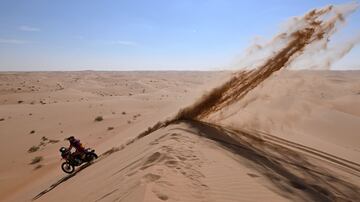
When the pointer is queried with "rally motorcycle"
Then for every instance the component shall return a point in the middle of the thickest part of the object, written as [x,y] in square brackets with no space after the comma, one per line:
[71,161]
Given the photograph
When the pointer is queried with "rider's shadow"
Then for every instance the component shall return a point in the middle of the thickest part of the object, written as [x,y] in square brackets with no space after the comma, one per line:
[61,181]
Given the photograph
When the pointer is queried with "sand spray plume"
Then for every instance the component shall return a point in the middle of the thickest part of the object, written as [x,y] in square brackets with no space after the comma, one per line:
[315,27]
[323,53]
[322,56]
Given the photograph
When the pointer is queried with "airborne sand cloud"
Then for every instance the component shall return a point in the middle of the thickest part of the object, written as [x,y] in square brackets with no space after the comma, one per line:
[297,39]
[315,27]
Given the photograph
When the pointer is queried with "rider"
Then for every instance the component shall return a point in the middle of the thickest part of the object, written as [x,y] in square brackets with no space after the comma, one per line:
[80,150]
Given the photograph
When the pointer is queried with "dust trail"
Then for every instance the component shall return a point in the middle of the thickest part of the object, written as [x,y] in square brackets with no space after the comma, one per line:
[317,26]
[322,54]
[322,57]
[300,37]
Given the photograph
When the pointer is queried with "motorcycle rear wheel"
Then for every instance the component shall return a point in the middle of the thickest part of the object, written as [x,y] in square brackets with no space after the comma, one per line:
[67,167]
[91,156]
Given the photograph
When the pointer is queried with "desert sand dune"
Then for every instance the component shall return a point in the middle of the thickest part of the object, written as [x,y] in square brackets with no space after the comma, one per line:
[216,163]
[199,161]
[37,126]
[262,134]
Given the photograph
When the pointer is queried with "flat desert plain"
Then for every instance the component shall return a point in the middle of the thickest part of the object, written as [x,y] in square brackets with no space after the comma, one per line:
[294,137]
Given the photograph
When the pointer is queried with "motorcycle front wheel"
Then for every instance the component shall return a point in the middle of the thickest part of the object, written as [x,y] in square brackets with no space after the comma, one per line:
[67,167]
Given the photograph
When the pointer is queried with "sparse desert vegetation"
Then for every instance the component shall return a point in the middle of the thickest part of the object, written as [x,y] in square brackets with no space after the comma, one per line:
[99,118]
[33,149]
[54,141]
[38,166]
[43,142]
[110,128]
[136,115]
[36,160]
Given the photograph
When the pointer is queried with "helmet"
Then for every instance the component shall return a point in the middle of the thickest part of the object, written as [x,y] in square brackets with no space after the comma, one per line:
[70,138]
[62,149]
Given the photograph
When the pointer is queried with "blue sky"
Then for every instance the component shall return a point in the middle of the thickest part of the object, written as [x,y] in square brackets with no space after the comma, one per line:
[142,34]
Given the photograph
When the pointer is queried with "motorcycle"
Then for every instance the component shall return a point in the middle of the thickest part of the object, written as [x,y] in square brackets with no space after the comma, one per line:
[72,161]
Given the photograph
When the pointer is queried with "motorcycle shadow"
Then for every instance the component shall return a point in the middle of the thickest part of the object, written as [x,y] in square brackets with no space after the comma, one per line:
[63,179]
